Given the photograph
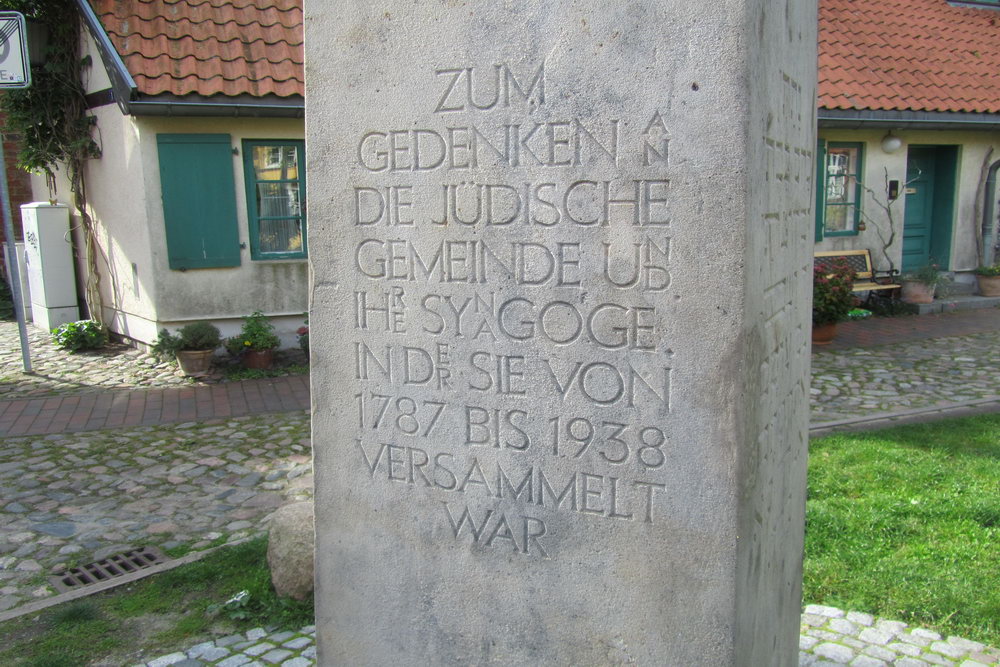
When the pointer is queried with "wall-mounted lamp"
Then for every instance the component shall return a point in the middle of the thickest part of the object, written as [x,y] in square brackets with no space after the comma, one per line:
[891,143]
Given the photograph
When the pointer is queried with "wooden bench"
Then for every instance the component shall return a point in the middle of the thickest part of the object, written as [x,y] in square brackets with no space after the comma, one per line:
[866,278]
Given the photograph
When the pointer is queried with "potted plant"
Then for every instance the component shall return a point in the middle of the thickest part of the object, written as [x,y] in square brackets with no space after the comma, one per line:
[193,346]
[919,286]
[988,278]
[255,343]
[832,299]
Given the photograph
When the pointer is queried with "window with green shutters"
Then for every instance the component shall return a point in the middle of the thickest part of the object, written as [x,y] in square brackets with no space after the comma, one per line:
[275,184]
[838,199]
[199,200]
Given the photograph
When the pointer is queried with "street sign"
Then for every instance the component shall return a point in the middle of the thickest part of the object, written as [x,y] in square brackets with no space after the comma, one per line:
[15,72]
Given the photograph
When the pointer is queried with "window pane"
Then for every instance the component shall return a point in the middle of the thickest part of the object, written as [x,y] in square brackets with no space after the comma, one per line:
[276,163]
[275,186]
[842,188]
[278,200]
[281,235]
[839,218]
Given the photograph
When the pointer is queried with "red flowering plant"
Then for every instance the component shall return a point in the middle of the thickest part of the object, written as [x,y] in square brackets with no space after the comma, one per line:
[303,334]
[832,296]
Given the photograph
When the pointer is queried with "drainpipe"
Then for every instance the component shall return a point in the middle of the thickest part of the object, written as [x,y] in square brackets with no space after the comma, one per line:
[991,233]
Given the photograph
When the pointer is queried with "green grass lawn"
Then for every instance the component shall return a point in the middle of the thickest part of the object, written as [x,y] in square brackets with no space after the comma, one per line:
[167,612]
[905,523]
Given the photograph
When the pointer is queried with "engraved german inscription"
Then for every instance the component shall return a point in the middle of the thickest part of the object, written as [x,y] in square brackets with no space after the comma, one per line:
[512,344]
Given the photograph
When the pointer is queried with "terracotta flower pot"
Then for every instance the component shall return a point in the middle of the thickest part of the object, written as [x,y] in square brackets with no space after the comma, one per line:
[258,359]
[194,362]
[914,291]
[989,285]
[823,334]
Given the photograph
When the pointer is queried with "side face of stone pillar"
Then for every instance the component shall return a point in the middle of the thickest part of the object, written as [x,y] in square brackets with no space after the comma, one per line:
[561,258]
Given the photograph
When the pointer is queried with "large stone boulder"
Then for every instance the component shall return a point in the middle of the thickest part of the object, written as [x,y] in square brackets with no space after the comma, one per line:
[290,550]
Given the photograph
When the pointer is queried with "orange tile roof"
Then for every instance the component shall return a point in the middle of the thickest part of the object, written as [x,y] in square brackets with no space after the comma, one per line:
[918,55]
[208,47]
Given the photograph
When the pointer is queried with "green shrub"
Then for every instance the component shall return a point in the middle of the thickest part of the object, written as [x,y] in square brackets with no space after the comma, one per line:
[257,334]
[82,335]
[200,336]
[193,336]
[166,345]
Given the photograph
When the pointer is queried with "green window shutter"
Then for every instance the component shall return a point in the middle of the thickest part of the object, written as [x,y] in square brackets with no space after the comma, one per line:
[820,187]
[199,200]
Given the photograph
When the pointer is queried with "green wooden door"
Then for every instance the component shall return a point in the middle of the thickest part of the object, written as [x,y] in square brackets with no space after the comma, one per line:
[931,182]
[919,219]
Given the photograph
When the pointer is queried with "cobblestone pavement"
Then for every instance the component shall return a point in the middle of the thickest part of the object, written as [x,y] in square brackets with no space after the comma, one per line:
[70,499]
[255,648]
[829,637]
[920,374]
[58,372]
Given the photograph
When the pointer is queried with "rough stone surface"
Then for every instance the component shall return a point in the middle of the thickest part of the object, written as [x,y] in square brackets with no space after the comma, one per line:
[290,550]
[532,385]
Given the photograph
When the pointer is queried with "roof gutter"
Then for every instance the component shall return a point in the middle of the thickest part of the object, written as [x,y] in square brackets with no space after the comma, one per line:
[121,81]
[290,108]
[859,119]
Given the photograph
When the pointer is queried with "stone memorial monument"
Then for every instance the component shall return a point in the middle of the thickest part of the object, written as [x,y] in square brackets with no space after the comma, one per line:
[562,271]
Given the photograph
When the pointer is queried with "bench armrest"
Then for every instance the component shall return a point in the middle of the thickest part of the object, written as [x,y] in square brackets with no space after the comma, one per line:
[885,276]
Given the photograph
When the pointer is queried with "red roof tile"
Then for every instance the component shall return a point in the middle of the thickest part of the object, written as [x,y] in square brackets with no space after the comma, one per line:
[208,47]
[918,55]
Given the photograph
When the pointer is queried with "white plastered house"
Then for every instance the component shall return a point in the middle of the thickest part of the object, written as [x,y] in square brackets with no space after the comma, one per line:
[909,120]
[198,197]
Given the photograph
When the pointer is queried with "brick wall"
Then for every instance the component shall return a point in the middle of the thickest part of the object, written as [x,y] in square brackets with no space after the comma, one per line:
[18,183]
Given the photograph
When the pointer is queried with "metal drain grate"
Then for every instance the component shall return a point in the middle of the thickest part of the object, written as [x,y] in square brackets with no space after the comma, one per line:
[108,568]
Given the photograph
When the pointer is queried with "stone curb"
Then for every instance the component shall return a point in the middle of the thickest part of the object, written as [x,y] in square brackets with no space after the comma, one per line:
[986,405]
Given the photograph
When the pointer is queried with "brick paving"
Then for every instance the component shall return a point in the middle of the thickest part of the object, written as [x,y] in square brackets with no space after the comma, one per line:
[120,408]
[877,331]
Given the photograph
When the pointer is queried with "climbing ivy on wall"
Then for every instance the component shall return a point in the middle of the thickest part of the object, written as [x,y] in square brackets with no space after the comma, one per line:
[51,117]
